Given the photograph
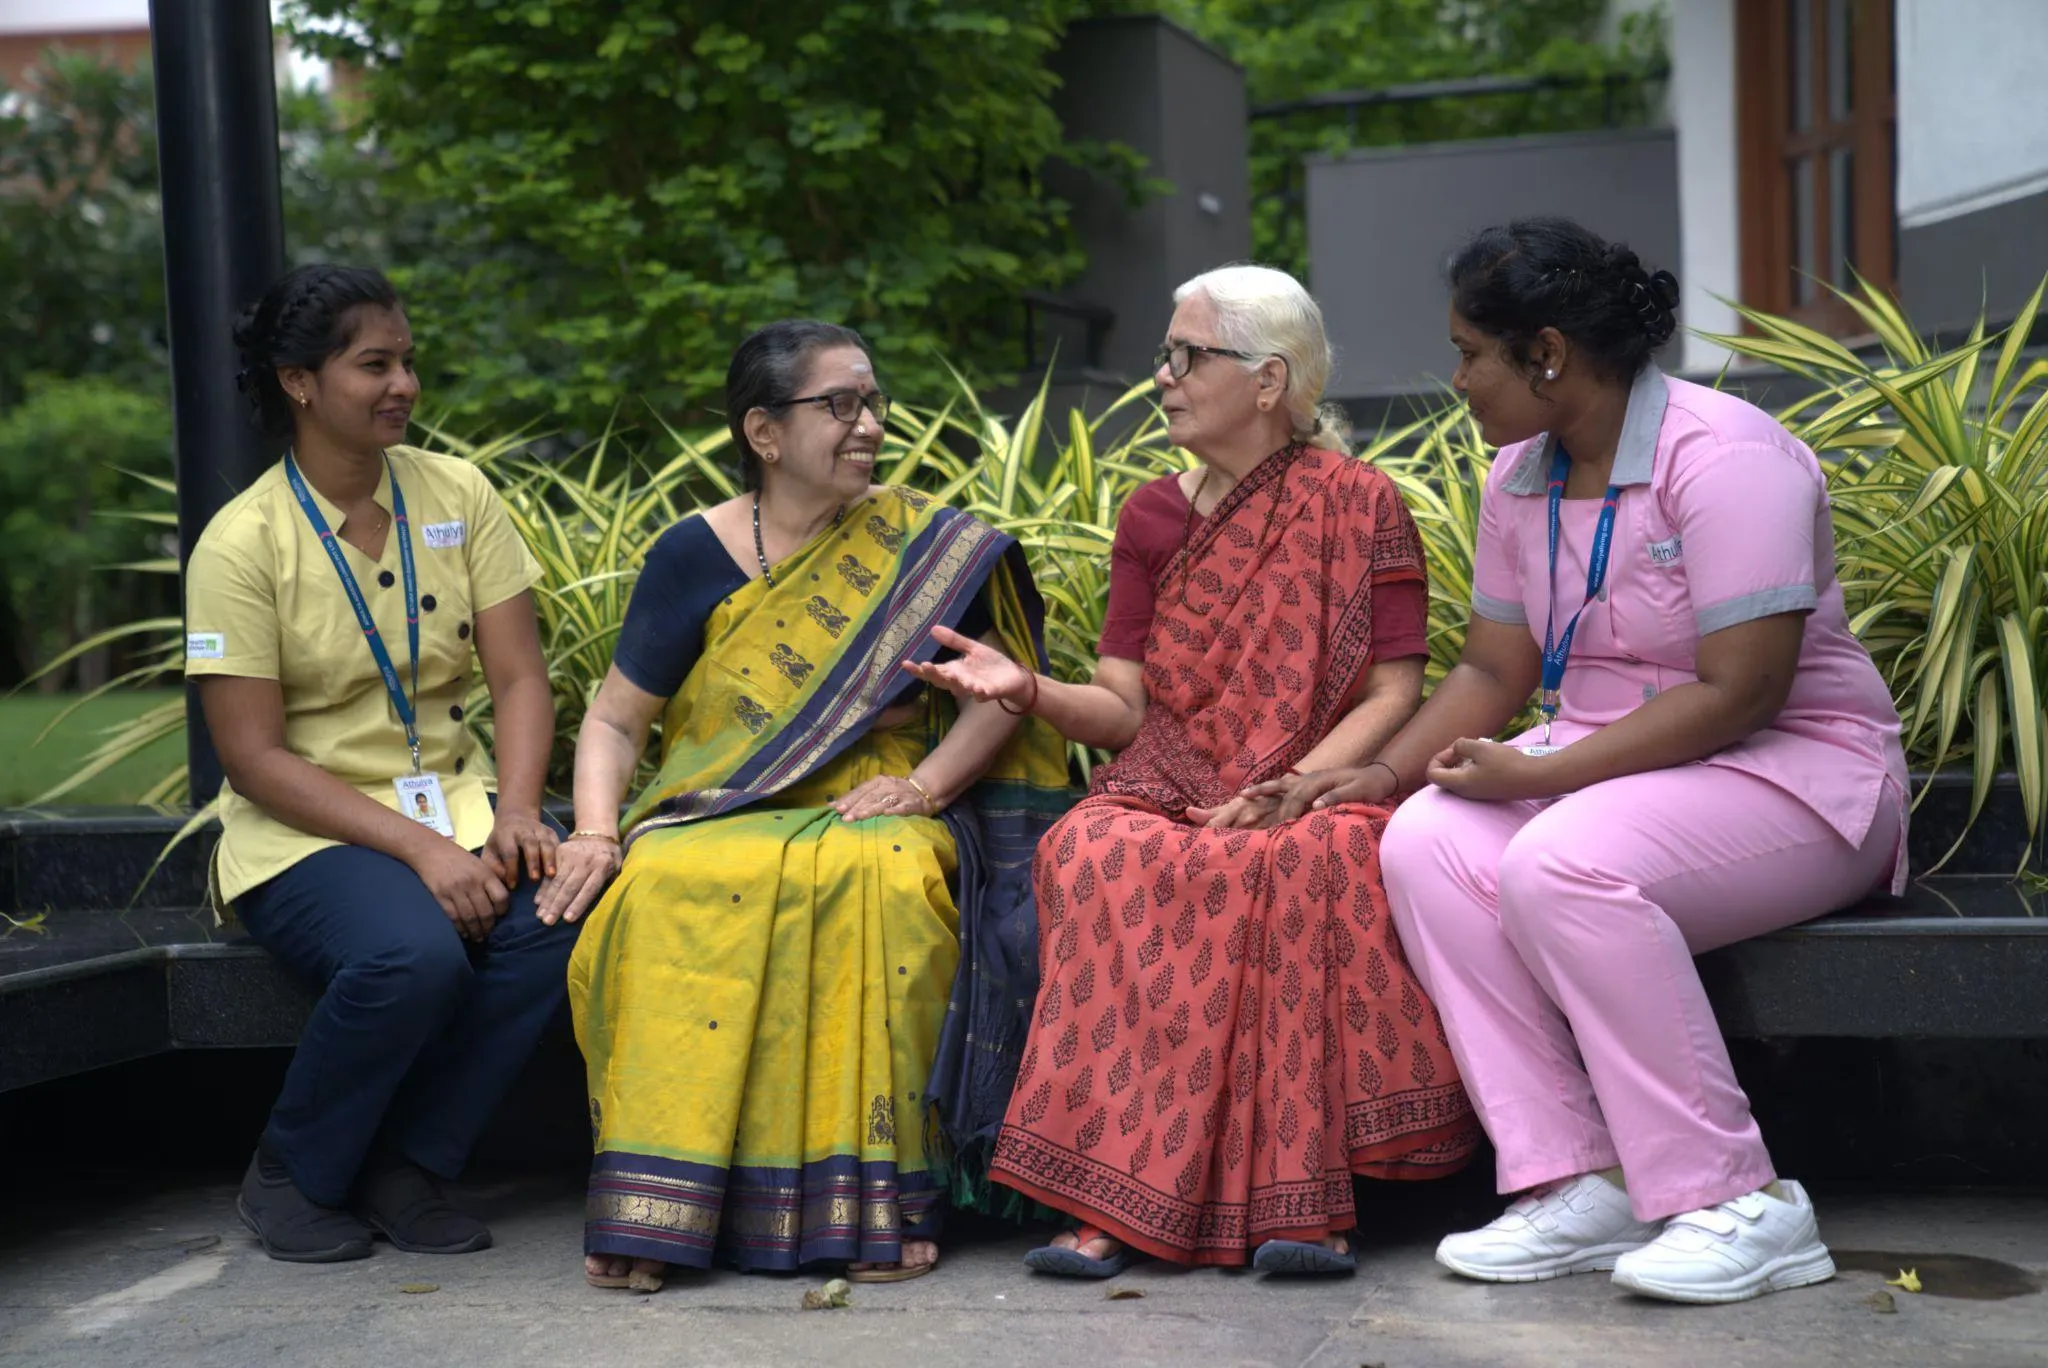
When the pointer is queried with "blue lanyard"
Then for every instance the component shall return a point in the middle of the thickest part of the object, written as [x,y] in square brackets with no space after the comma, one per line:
[1556,650]
[332,545]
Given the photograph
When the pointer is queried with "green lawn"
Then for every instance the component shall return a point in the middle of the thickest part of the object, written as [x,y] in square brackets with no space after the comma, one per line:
[27,770]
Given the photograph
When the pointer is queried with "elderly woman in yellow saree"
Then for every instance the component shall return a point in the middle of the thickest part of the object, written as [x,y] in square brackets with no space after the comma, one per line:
[774,929]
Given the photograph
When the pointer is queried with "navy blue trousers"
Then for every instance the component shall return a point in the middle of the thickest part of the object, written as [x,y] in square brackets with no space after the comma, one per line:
[418,1034]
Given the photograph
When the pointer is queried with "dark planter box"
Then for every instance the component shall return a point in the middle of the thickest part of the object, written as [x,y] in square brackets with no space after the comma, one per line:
[100,859]
[1995,845]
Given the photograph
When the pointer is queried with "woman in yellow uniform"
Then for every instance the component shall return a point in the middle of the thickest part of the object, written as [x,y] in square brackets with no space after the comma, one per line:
[335,612]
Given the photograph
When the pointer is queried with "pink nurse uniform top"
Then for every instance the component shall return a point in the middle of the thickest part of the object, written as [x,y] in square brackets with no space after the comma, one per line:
[1723,518]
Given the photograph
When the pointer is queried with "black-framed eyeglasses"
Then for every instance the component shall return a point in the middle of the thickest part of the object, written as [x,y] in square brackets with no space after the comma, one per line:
[1177,357]
[846,404]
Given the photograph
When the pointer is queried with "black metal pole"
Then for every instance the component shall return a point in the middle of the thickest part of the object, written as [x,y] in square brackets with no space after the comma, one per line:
[216,114]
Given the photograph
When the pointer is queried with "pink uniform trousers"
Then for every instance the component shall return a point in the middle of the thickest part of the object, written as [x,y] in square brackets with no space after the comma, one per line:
[1556,938]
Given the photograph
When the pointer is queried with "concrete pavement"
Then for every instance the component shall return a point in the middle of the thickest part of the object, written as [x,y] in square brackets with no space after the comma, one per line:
[159,1272]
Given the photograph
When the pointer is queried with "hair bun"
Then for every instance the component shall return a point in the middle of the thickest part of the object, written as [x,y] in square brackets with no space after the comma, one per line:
[245,334]
[1653,297]
[1656,303]
[1514,280]
[1623,262]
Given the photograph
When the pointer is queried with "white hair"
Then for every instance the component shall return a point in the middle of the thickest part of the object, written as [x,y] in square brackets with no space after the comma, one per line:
[1267,313]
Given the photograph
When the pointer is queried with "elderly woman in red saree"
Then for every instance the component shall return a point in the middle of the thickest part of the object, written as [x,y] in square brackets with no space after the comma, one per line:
[1226,1030]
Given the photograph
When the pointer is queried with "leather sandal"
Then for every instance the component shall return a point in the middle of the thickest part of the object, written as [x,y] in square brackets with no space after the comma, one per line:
[1072,1263]
[902,1272]
[1300,1257]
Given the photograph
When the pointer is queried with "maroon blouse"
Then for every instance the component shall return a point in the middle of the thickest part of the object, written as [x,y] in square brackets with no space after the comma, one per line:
[1150,529]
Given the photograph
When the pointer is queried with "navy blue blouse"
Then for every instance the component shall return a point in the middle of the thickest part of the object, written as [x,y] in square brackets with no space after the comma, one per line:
[687,574]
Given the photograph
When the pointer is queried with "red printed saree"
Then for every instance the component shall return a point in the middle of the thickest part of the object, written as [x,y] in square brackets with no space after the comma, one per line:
[1226,1029]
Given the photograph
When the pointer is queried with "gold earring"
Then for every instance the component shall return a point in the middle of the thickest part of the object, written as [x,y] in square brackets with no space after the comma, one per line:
[304,402]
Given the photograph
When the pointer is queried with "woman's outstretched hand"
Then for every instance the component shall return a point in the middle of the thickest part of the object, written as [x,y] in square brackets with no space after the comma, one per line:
[979,672]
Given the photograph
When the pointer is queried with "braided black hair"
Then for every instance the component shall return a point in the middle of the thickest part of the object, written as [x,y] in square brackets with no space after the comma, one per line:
[304,319]
[765,373]
[1514,281]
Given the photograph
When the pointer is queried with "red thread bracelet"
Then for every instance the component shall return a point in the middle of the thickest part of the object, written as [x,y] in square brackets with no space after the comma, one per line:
[1026,710]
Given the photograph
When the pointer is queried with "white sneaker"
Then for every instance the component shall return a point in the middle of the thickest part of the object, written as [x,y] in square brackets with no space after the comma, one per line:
[1580,1226]
[1732,1252]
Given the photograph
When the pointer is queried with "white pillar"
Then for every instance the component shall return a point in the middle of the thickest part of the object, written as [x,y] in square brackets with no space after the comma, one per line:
[1703,95]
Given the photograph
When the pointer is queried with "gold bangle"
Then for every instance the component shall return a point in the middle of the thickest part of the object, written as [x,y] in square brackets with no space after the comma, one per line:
[930,804]
[594,835]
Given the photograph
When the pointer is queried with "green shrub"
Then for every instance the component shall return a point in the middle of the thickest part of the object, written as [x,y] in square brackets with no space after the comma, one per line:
[1938,473]
[71,506]
[1938,468]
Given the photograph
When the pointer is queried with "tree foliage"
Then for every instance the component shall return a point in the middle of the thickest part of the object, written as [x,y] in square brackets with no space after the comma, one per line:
[81,250]
[84,356]
[630,187]
[70,502]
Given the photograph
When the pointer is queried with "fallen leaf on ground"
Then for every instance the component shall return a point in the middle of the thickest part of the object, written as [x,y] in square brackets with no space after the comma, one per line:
[1883,1303]
[414,1289]
[1122,1294]
[831,1296]
[1908,1279]
[184,1244]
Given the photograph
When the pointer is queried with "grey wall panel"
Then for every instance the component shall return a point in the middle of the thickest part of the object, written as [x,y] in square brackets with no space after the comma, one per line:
[1990,260]
[1156,88]
[1381,223]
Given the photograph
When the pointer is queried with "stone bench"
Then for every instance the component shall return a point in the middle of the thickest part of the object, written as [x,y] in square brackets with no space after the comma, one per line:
[98,972]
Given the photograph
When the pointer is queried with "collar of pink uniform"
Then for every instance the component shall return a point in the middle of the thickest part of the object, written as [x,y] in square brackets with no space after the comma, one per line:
[1635,455]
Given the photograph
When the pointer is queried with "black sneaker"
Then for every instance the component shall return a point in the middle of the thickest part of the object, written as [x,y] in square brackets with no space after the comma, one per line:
[292,1226]
[402,1201]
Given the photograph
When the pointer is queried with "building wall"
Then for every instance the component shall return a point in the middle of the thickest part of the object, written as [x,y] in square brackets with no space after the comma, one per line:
[1157,89]
[1973,156]
[1702,99]
[72,16]
[1382,222]
[20,50]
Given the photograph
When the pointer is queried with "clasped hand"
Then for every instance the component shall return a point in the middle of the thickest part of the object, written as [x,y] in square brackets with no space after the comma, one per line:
[1292,795]
[1491,772]
[885,795]
[583,866]
[1484,771]
[474,890]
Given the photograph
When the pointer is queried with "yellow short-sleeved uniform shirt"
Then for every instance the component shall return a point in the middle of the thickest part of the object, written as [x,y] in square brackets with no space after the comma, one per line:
[262,601]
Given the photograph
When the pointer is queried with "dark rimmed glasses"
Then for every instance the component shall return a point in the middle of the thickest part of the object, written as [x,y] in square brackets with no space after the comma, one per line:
[1178,357]
[846,404]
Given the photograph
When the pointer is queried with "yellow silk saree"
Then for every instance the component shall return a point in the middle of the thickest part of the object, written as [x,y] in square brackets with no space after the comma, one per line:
[761,993]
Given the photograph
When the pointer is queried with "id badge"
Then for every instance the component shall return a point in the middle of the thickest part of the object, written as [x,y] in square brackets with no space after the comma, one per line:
[420,798]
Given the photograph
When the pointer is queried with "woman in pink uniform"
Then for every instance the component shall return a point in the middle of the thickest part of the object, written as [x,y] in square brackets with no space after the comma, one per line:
[1719,759]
